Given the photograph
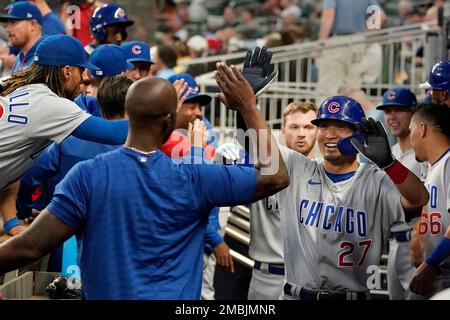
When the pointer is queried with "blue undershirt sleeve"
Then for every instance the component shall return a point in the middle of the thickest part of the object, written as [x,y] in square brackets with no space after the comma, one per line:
[102,131]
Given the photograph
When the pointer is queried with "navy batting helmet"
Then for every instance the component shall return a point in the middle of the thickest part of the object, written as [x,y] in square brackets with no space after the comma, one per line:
[107,15]
[343,109]
[439,77]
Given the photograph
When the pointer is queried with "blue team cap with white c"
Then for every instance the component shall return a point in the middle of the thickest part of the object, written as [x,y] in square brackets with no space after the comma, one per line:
[137,51]
[60,51]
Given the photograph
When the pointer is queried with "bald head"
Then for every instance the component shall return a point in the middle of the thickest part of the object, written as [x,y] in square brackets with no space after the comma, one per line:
[149,99]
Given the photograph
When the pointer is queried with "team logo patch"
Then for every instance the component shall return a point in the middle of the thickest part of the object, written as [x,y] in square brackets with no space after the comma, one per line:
[391,95]
[136,49]
[2,111]
[334,107]
[120,13]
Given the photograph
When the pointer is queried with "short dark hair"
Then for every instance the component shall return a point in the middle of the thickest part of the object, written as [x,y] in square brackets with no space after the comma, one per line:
[436,114]
[167,55]
[111,96]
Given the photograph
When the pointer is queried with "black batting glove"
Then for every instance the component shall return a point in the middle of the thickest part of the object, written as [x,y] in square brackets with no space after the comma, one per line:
[257,68]
[377,147]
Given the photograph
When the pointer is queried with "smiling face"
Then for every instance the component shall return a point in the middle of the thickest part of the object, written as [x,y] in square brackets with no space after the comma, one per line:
[398,119]
[328,135]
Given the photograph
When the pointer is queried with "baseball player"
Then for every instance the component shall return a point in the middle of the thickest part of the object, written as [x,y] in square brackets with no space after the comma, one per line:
[110,60]
[430,139]
[439,82]
[35,108]
[397,106]
[336,214]
[138,53]
[56,161]
[24,28]
[163,259]
[266,247]
[108,24]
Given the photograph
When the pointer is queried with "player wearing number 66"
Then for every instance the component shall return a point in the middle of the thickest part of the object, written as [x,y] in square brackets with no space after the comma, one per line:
[430,139]
[336,214]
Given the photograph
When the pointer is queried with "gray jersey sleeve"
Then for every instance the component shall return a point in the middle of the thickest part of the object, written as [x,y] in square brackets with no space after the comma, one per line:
[55,119]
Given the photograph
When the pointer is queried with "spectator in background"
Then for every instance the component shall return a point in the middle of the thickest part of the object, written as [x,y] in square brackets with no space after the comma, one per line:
[178,28]
[270,9]
[197,11]
[341,67]
[138,54]
[51,21]
[229,17]
[432,13]
[164,60]
[183,57]
[403,8]
[248,27]
[24,29]
[289,15]
[415,15]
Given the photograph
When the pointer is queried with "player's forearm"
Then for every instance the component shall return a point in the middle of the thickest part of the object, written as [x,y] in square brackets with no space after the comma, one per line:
[14,254]
[267,150]
[414,194]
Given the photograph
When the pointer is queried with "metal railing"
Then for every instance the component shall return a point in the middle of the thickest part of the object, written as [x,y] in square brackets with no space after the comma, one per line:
[399,65]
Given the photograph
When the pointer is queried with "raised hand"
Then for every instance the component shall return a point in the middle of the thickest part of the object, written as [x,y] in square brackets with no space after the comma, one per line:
[257,70]
[236,92]
[377,147]
[180,86]
[198,134]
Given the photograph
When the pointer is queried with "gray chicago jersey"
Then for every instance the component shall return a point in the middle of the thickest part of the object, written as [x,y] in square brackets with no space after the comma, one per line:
[332,232]
[266,244]
[436,220]
[30,118]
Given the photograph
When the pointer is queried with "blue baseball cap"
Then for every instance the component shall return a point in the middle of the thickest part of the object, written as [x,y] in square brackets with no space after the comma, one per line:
[137,51]
[399,97]
[60,51]
[203,99]
[110,60]
[22,10]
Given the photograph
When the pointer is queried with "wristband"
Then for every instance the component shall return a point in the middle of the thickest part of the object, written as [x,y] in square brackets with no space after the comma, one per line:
[11,223]
[440,253]
[397,172]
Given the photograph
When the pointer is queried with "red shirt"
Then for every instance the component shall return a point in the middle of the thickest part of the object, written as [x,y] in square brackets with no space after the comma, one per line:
[84,33]
[178,146]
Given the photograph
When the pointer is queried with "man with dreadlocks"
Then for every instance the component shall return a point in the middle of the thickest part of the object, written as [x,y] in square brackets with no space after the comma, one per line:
[36,108]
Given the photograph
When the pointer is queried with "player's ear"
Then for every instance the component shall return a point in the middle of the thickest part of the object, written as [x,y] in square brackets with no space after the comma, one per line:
[66,72]
[167,126]
[423,129]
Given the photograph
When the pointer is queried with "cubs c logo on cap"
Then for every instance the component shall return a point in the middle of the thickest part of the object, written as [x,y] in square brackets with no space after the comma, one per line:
[2,111]
[391,95]
[120,13]
[136,49]
[333,107]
